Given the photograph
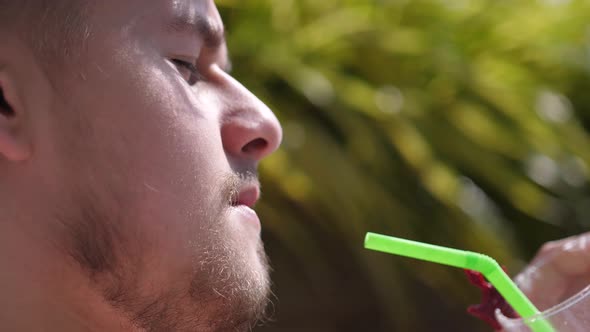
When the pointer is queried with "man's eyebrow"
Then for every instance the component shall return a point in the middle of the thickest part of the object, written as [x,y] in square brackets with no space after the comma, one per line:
[201,27]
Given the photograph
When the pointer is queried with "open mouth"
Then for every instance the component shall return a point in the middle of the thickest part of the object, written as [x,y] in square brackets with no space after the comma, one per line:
[243,200]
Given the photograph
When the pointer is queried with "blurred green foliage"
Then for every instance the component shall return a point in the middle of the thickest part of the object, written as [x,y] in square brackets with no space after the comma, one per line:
[456,122]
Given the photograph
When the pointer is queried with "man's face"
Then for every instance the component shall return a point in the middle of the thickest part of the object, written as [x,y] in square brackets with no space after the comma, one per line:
[146,169]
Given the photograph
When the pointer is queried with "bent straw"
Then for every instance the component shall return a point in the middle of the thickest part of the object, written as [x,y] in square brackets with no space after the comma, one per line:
[464,260]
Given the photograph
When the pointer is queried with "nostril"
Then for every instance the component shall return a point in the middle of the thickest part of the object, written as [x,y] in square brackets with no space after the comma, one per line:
[254,146]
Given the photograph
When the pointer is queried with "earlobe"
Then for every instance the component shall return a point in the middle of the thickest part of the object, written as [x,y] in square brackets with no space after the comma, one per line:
[13,147]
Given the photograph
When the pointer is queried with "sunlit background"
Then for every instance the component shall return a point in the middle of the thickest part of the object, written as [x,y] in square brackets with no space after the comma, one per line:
[456,122]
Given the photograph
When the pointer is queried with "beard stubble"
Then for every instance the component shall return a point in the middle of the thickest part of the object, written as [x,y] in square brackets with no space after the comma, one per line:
[222,293]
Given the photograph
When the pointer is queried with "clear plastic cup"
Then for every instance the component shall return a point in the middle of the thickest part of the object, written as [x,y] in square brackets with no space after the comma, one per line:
[564,300]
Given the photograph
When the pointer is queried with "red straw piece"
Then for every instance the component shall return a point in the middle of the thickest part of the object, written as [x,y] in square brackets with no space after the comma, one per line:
[490,301]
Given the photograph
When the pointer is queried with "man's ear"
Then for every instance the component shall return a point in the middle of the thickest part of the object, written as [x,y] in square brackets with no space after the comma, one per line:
[13,144]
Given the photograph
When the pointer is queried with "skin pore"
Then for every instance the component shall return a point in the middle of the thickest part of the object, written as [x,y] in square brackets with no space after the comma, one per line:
[125,183]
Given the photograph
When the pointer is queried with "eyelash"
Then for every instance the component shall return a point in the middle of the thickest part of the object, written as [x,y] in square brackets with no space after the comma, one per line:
[195,75]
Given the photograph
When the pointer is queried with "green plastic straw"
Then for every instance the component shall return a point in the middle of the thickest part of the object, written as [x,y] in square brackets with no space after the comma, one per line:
[464,260]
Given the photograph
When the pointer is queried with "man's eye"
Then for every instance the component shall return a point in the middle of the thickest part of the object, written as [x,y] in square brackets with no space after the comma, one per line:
[188,71]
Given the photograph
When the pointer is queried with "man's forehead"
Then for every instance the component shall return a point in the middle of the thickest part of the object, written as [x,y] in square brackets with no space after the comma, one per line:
[198,17]
[189,7]
[196,9]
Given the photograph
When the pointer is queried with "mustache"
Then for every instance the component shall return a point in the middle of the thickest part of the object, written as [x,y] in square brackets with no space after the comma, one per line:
[235,182]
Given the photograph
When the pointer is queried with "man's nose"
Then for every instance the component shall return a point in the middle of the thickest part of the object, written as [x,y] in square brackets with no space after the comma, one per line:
[249,129]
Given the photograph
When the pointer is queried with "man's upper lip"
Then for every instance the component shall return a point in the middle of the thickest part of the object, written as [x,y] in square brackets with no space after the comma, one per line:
[248,195]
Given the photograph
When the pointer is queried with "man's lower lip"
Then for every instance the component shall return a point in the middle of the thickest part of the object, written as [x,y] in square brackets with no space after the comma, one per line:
[248,214]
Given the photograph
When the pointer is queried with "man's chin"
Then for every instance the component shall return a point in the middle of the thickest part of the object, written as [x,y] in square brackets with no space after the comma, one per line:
[238,286]
[242,312]
[229,297]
